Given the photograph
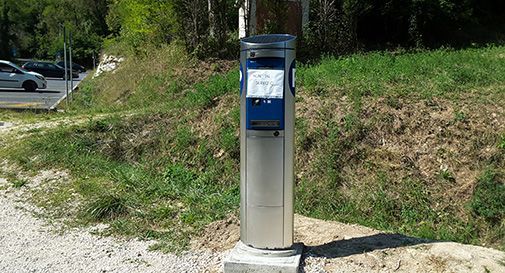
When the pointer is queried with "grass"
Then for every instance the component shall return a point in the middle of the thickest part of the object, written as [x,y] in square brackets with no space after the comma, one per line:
[16,182]
[107,206]
[488,199]
[26,115]
[173,166]
[135,190]
[501,144]
[152,83]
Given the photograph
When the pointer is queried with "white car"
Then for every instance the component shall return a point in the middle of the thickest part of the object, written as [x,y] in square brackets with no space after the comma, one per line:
[13,76]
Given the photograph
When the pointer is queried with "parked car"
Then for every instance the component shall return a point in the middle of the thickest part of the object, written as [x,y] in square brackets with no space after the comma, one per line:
[75,66]
[13,76]
[48,69]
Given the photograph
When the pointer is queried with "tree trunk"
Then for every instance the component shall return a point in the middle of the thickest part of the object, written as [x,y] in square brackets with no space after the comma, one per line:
[212,17]
[243,19]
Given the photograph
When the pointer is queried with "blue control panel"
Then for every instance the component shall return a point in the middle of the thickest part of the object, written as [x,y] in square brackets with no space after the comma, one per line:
[265,113]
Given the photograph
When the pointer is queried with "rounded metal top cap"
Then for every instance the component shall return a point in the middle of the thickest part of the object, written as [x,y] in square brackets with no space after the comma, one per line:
[267,41]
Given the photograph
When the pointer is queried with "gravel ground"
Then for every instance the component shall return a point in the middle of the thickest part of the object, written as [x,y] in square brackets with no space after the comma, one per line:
[29,244]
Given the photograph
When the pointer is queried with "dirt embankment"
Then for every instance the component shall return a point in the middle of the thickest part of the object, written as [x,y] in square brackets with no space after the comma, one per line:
[336,247]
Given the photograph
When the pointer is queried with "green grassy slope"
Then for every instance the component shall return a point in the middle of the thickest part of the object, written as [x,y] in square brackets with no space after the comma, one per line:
[411,143]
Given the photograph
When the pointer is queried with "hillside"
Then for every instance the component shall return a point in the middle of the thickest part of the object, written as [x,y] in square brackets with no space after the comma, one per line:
[329,246]
[408,142]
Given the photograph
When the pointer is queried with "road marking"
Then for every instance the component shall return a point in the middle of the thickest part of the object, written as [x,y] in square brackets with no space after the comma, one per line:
[65,96]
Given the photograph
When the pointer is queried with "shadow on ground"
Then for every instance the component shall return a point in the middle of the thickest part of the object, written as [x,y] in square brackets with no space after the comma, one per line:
[359,245]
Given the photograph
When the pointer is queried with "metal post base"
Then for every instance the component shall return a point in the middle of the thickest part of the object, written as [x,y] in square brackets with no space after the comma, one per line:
[244,258]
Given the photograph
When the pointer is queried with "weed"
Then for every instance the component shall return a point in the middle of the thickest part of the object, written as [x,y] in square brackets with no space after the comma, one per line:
[184,138]
[501,143]
[350,122]
[107,206]
[99,126]
[18,183]
[229,141]
[447,176]
[14,179]
[460,116]
[488,198]
[393,102]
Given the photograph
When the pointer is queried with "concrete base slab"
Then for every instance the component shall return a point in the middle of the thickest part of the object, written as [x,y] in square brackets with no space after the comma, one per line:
[245,259]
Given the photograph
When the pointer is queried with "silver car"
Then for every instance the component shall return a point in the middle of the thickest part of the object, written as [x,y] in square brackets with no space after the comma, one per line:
[13,76]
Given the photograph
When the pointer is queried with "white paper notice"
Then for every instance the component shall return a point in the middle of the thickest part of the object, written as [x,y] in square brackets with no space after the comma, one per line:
[263,83]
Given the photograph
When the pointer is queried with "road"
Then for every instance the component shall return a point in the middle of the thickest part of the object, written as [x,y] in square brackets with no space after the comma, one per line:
[41,99]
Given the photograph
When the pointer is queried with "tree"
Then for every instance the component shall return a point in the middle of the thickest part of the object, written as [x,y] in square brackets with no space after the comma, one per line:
[18,20]
[86,20]
[5,29]
[137,22]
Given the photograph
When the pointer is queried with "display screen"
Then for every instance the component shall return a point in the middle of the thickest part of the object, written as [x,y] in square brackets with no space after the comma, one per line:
[265,83]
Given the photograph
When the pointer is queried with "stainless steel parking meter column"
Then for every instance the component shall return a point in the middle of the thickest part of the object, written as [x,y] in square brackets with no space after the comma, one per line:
[267,117]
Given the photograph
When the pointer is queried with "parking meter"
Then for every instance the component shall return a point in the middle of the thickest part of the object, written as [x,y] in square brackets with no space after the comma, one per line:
[267,118]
